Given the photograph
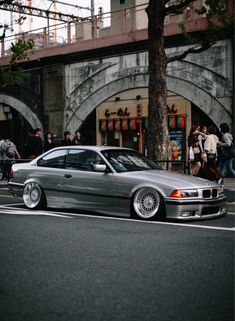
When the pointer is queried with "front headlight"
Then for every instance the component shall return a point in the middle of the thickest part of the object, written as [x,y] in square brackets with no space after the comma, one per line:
[220,191]
[178,193]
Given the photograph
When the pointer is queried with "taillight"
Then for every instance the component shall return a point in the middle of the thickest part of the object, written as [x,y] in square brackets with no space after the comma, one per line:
[10,174]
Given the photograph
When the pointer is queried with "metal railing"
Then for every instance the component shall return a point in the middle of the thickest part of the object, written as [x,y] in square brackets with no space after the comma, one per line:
[108,24]
[183,166]
[5,167]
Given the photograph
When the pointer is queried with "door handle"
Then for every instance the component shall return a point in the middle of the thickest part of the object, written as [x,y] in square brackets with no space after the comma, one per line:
[67,175]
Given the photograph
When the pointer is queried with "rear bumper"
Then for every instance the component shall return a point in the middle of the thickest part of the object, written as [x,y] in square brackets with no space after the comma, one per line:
[195,209]
[16,189]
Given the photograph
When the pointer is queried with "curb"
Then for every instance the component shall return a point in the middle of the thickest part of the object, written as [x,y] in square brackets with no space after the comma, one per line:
[231,207]
[4,191]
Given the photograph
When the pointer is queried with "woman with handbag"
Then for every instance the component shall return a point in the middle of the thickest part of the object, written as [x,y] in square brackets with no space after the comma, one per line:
[194,142]
[210,146]
[226,151]
[210,170]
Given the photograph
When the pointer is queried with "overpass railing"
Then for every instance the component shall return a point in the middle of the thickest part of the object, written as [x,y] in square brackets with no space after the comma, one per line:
[102,25]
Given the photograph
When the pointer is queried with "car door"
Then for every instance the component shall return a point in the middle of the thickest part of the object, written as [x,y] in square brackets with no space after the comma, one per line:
[49,173]
[82,186]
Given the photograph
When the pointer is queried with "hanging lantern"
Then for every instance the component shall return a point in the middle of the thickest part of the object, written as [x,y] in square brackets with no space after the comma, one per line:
[125,124]
[111,125]
[145,122]
[132,123]
[117,124]
[103,125]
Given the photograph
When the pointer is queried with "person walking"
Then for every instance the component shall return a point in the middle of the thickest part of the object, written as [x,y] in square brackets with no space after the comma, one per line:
[193,142]
[67,139]
[209,169]
[49,141]
[8,154]
[202,136]
[224,146]
[210,146]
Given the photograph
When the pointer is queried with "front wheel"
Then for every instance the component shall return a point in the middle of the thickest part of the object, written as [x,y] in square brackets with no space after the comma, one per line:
[147,204]
[33,196]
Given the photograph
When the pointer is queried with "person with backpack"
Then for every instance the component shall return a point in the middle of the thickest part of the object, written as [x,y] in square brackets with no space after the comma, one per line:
[8,154]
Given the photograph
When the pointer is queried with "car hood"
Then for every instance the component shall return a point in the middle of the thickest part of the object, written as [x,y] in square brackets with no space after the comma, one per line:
[171,179]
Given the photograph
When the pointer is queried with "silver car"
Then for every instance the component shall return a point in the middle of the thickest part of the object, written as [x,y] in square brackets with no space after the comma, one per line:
[116,181]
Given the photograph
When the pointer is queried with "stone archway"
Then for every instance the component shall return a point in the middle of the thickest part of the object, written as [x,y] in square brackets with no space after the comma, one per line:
[206,102]
[207,85]
[23,109]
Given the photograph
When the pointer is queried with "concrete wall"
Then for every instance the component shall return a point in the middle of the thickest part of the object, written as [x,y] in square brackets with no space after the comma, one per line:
[54,98]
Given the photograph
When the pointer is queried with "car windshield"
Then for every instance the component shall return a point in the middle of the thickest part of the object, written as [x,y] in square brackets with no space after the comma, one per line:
[129,161]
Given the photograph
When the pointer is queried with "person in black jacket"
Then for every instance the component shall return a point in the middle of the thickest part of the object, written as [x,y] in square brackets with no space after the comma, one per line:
[77,140]
[67,139]
[49,142]
[34,146]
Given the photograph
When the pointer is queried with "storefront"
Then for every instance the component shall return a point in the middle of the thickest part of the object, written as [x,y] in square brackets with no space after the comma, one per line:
[123,121]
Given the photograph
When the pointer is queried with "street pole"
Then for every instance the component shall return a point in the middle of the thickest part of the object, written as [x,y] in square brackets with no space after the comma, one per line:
[92,18]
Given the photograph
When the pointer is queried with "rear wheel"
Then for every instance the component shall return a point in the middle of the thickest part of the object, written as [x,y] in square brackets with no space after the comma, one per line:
[147,204]
[33,196]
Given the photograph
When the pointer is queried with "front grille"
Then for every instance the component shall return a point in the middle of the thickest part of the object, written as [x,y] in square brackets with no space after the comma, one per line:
[206,193]
[210,210]
[210,193]
[214,192]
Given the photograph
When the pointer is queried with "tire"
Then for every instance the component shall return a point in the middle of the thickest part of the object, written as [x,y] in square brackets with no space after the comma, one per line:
[33,196]
[147,204]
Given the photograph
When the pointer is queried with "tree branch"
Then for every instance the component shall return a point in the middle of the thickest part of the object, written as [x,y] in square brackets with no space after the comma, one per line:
[192,50]
[178,8]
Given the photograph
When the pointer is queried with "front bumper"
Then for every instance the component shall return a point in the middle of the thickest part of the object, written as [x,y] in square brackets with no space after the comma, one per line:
[195,209]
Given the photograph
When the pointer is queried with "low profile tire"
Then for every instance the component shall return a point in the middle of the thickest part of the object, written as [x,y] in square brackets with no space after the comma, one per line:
[147,204]
[33,196]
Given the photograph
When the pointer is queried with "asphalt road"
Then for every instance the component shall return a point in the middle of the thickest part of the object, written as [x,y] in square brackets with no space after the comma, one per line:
[70,267]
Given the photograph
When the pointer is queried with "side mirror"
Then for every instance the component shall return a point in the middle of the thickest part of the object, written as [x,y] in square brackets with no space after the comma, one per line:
[99,167]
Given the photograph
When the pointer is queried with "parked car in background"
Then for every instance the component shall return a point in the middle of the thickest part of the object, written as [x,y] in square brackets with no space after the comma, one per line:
[116,181]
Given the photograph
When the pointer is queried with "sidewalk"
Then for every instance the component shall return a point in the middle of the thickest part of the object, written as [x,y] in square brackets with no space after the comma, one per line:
[229,189]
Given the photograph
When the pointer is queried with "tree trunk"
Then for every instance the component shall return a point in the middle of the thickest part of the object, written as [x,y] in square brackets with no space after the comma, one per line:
[157,136]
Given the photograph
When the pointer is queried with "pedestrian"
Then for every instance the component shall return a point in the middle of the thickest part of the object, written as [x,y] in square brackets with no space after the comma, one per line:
[226,151]
[210,146]
[77,140]
[209,169]
[202,136]
[193,142]
[67,139]
[34,146]
[9,153]
[49,141]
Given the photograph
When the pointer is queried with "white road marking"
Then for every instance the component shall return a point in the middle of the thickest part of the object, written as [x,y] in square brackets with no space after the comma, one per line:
[16,211]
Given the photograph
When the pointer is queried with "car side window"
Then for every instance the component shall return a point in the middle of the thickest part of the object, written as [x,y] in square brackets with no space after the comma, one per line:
[54,159]
[83,160]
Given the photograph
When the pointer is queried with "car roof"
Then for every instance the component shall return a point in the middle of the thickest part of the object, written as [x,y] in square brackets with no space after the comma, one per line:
[93,147]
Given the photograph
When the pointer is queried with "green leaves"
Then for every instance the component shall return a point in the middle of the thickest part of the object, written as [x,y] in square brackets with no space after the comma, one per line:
[20,49]
[13,74]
